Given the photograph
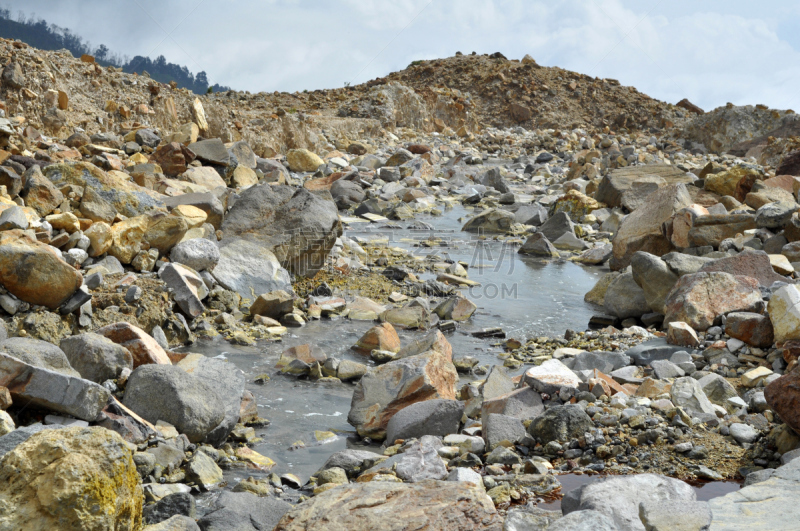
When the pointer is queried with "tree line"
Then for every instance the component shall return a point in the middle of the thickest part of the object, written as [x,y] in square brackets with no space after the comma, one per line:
[39,34]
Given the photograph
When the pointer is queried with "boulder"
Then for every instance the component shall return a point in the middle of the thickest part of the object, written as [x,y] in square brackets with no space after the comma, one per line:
[96,357]
[380,337]
[72,478]
[249,269]
[537,244]
[713,229]
[584,520]
[752,328]
[499,429]
[687,393]
[700,298]
[681,334]
[164,232]
[34,272]
[550,377]
[725,183]
[39,354]
[628,187]
[210,151]
[624,298]
[619,497]
[557,226]
[29,384]
[207,202]
[418,462]
[385,390]
[491,221]
[173,158]
[143,348]
[240,511]
[748,263]
[437,417]
[784,313]
[493,179]
[641,230]
[229,383]
[168,393]
[39,193]
[94,207]
[560,424]
[298,226]
[274,305]
[775,216]
[205,176]
[199,254]
[455,308]
[303,160]
[346,194]
[428,504]
[187,288]
[127,237]
[717,389]
[654,277]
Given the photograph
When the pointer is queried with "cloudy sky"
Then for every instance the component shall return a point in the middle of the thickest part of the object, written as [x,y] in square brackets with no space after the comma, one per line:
[711,51]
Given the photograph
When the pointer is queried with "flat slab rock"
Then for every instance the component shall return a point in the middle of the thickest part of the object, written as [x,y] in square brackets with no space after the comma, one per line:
[396,507]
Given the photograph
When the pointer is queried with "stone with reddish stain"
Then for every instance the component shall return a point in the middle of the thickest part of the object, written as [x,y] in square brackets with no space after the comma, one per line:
[385,390]
[140,344]
[712,230]
[783,397]
[173,158]
[381,337]
[699,299]
[748,263]
[752,328]
[681,334]
[651,388]
[308,354]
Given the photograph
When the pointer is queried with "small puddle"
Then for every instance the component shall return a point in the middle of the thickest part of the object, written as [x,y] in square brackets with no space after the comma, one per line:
[704,491]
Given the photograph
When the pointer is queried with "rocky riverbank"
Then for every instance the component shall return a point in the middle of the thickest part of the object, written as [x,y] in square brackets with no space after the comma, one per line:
[140,227]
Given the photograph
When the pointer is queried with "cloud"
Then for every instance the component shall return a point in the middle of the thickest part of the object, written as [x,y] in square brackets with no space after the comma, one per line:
[711,52]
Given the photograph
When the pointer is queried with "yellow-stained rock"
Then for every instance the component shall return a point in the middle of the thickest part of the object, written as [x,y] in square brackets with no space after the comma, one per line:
[127,237]
[100,238]
[193,216]
[303,160]
[164,231]
[65,221]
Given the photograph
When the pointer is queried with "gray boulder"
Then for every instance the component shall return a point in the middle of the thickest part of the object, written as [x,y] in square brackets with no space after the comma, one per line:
[180,503]
[249,269]
[558,225]
[229,383]
[717,389]
[775,215]
[243,511]
[584,520]
[348,460]
[529,519]
[96,357]
[299,227]
[39,354]
[619,497]
[431,417]
[537,244]
[176,523]
[687,393]
[654,277]
[533,214]
[346,194]
[624,298]
[493,179]
[605,362]
[561,423]
[498,428]
[675,516]
[417,463]
[168,393]
[210,151]
[199,253]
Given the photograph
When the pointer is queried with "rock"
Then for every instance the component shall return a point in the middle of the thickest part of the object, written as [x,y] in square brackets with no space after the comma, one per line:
[173,158]
[419,462]
[714,229]
[557,226]
[380,337]
[456,308]
[6,423]
[775,215]
[576,204]
[176,523]
[229,383]
[385,390]
[752,328]
[748,263]
[700,298]
[725,183]
[666,370]
[303,160]
[598,293]
[550,377]
[13,218]
[620,497]
[34,272]
[211,151]
[181,504]
[203,471]
[624,298]
[39,193]
[96,357]
[39,354]
[784,313]
[717,389]
[629,187]
[529,518]
[465,474]
[127,237]
[29,384]
[675,516]
[199,254]
[407,318]
[204,176]
[496,383]
[346,194]
[298,226]
[687,393]
[753,377]
[432,417]
[163,232]
[235,511]
[742,433]
[72,478]
[641,230]
[168,393]
[188,289]
[100,238]
[12,76]
[681,334]
[560,424]
[585,520]
[537,244]
[532,214]
[249,269]
[763,506]
[143,348]
[493,179]
[395,507]
[490,221]
[499,428]
[94,207]
[207,202]
[605,362]
[348,460]
[654,277]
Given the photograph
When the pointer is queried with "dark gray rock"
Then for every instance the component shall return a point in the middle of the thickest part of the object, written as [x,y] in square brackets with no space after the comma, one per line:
[498,428]
[39,354]
[558,225]
[243,511]
[168,393]
[96,357]
[493,179]
[243,154]
[417,463]
[348,460]
[211,151]
[431,417]
[13,218]
[605,362]
[655,349]
[176,523]
[625,298]
[175,504]
[561,423]
[11,440]
[346,194]
[147,137]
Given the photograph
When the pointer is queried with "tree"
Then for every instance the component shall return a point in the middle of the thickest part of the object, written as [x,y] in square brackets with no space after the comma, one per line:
[101,53]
